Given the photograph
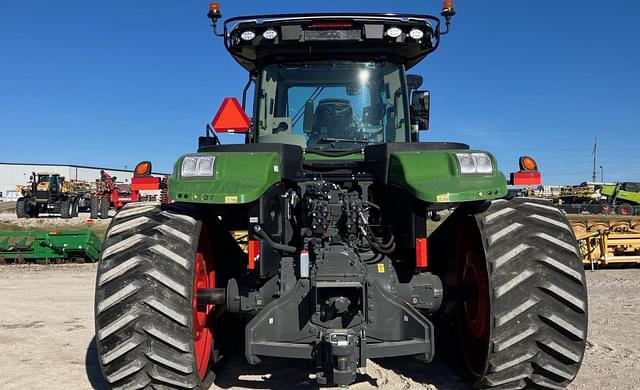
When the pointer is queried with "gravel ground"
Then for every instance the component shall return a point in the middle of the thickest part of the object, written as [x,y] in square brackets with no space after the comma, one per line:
[46,339]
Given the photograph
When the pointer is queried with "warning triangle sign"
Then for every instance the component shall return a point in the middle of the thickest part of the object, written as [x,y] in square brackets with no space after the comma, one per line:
[231,118]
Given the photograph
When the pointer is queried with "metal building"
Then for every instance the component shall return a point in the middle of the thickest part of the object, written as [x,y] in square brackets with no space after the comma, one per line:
[13,174]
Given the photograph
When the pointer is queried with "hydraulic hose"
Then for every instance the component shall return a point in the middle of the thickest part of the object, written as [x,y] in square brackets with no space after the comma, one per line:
[257,229]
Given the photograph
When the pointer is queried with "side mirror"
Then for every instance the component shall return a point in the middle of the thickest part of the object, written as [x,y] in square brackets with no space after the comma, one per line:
[414,81]
[420,104]
[308,119]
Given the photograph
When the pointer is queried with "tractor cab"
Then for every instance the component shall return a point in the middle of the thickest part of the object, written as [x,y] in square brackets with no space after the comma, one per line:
[334,81]
[46,185]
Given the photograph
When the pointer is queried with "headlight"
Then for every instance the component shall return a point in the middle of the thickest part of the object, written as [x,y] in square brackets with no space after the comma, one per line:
[483,163]
[474,163]
[198,166]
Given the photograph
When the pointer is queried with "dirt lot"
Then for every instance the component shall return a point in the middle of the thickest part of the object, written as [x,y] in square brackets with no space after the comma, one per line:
[46,339]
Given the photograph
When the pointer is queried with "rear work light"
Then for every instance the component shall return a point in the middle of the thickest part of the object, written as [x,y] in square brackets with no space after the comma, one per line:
[247,35]
[270,34]
[416,34]
[394,32]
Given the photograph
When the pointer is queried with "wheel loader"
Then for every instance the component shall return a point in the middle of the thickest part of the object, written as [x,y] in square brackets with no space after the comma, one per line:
[335,190]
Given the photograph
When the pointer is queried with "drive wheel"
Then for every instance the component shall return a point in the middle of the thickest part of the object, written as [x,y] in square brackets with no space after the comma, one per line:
[104,208]
[66,208]
[21,208]
[150,329]
[522,322]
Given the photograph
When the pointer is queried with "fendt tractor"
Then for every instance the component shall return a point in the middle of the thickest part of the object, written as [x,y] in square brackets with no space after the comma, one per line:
[335,190]
[51,193]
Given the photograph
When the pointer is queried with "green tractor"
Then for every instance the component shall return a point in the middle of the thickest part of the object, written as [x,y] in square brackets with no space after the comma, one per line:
[334,191]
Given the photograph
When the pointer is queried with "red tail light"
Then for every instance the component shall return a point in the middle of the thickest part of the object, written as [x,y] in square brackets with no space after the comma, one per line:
[531,178]
[422,260]
[254,253]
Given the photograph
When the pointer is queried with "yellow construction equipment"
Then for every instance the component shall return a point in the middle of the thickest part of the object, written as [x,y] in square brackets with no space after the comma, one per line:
[607,240]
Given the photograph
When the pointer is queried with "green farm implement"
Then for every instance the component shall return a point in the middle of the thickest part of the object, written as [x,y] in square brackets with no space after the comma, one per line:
[49,246]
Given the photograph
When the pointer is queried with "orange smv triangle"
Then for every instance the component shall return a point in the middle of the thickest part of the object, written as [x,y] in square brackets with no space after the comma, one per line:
[231,118]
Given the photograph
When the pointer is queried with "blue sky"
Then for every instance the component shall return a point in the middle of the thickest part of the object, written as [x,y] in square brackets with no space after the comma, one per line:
[114,82]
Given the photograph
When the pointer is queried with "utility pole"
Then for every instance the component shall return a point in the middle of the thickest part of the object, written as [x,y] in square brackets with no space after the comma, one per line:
[601,174]
[595,149]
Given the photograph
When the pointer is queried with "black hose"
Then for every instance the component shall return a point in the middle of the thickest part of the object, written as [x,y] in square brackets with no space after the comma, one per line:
[379,249]
[257,229]
[383,245]
[376,258]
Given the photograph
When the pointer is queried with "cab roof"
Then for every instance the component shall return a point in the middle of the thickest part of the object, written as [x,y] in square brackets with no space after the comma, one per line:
[402,38]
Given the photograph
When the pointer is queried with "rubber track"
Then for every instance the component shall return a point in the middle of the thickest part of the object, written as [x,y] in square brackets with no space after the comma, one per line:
[538,296]
[144,291]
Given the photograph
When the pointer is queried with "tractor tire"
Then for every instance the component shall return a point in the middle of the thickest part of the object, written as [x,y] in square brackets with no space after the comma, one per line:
[525,326]
[66,208]
[21,208]
[74,207]
[93,207]
[150,332]
[624,209]
[104,208]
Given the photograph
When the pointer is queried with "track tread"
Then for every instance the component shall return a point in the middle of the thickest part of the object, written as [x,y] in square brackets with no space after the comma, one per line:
[538,296]
[144,294]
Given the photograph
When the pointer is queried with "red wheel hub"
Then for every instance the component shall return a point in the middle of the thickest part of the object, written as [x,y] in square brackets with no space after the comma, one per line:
[204,277]
[476,309]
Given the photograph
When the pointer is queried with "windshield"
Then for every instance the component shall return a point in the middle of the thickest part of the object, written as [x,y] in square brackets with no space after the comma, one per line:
[343,105]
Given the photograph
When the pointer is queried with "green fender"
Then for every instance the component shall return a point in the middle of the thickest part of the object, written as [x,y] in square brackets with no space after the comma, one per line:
[433,176]
[238,178]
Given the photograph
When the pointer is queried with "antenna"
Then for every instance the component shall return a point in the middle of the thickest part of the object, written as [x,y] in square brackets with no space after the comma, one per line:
[595,150]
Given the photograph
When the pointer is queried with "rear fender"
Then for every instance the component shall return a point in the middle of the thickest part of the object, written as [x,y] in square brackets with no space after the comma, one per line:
[434,176]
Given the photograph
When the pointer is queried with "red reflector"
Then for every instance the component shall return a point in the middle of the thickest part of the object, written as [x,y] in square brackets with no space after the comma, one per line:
[422,260]
[145,183]
[254,253]
[330,24]
[526,178]
[231,118]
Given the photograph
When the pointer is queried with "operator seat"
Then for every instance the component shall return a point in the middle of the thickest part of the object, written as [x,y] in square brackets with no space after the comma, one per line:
[334,119]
